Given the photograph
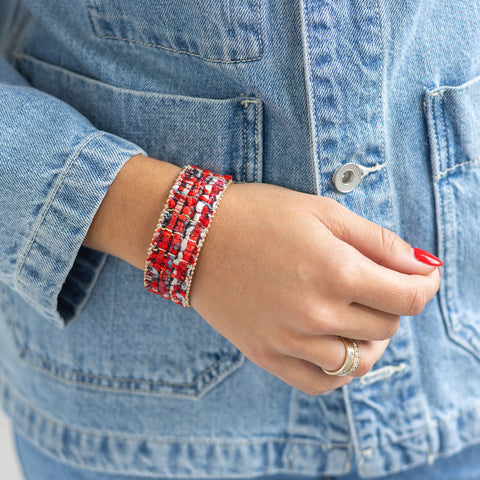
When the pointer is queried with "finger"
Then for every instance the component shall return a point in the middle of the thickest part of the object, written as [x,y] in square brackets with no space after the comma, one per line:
[392,292]
[305,376]
[377,243]
[329,352]
[362,323]
[351,320]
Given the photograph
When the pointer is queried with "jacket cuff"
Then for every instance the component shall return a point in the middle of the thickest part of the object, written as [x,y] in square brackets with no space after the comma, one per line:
[57,274]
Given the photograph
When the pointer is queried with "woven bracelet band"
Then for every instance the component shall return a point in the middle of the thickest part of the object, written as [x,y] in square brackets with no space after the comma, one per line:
[181,231]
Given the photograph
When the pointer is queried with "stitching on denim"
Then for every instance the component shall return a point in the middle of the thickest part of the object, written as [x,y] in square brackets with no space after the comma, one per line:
[312,116]
[469,162]
[381,117]
[257,140]
[167,440]
[24,351]
[196,55]
[380,84]
[136,472]
[90,138]
[187,392]
[245,154]
[137,93]
[245,103]
[447,146]
[260,30]
[435,128]
[441,202]
[427,429]
[132,438]
[111,37]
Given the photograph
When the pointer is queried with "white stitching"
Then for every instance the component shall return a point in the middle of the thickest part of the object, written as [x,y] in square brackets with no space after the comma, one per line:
[183,52]
[89,139]
[444,172]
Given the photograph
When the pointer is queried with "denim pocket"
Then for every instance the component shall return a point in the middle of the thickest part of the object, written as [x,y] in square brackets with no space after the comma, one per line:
[453,122]
[214,30]
[126,339]
[222,135]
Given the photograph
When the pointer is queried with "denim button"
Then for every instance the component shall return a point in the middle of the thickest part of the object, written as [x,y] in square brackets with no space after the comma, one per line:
[347,177]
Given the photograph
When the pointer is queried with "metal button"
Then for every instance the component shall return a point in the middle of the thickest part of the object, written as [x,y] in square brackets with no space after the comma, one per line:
[347,177]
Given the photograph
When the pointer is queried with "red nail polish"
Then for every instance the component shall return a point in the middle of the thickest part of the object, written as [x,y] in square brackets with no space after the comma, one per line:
[426,257]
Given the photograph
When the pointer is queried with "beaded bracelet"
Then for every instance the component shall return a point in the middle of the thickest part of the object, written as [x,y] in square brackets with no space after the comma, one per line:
[181,231]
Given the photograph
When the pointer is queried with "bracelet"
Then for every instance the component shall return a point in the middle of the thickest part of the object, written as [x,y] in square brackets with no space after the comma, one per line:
[181,231]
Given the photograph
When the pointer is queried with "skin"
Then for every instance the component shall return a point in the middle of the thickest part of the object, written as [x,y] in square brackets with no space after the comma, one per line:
[281,274]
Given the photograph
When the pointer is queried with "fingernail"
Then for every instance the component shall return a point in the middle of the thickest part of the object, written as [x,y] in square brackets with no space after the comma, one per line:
[426,257]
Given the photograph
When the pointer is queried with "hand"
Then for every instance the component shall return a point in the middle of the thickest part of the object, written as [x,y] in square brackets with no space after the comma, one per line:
[283,274]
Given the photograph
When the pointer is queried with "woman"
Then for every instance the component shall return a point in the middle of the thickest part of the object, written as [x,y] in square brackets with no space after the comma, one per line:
[340,123]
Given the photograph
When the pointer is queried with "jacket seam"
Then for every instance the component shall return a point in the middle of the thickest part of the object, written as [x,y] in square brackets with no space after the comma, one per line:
[24,351]
[434,425]
[134,438]
[245,154]
[50,202]
[196,55]
[257,140]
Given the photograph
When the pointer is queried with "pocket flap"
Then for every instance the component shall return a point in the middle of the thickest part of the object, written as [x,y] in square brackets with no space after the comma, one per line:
[222,135]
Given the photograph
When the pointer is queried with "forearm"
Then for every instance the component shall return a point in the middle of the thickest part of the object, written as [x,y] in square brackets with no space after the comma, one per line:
[126,219]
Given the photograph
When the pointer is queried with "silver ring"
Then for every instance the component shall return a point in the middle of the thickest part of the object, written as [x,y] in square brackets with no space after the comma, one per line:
[352,359]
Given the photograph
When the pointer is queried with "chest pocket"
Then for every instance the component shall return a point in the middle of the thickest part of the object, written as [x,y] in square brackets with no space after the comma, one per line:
[216,30]
[453,121]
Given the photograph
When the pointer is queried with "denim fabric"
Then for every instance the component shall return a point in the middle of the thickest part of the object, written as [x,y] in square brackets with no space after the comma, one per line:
[38,466]
[102,375]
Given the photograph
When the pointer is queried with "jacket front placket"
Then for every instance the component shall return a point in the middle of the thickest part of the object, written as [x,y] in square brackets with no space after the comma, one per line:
[379,419]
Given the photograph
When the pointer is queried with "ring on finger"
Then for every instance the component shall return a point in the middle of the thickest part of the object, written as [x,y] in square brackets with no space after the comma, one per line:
[352,359]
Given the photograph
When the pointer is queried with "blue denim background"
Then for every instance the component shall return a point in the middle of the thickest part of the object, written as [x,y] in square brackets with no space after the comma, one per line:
[101,374]
[38,466]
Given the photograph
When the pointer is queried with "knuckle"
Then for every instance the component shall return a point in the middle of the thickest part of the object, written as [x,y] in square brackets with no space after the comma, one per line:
[303,272]
[335,217]
[329,205]
[316,318]
[390,241]
[345,276]
[417,298]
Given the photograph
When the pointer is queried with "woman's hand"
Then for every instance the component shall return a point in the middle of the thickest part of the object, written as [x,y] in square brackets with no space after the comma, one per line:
[282,274]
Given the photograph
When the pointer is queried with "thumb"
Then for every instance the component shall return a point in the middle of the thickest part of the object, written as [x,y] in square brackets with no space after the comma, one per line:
[378,243]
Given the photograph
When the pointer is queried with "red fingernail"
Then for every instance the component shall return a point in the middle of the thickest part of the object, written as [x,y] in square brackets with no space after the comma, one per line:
[426,257]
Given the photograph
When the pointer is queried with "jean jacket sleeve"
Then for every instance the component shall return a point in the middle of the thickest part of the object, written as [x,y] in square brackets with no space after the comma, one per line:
[55,169]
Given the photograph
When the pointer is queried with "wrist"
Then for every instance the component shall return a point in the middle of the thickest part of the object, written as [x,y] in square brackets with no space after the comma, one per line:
[125,221]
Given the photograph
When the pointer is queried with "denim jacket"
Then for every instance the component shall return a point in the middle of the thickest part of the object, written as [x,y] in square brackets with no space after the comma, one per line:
[102,374]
